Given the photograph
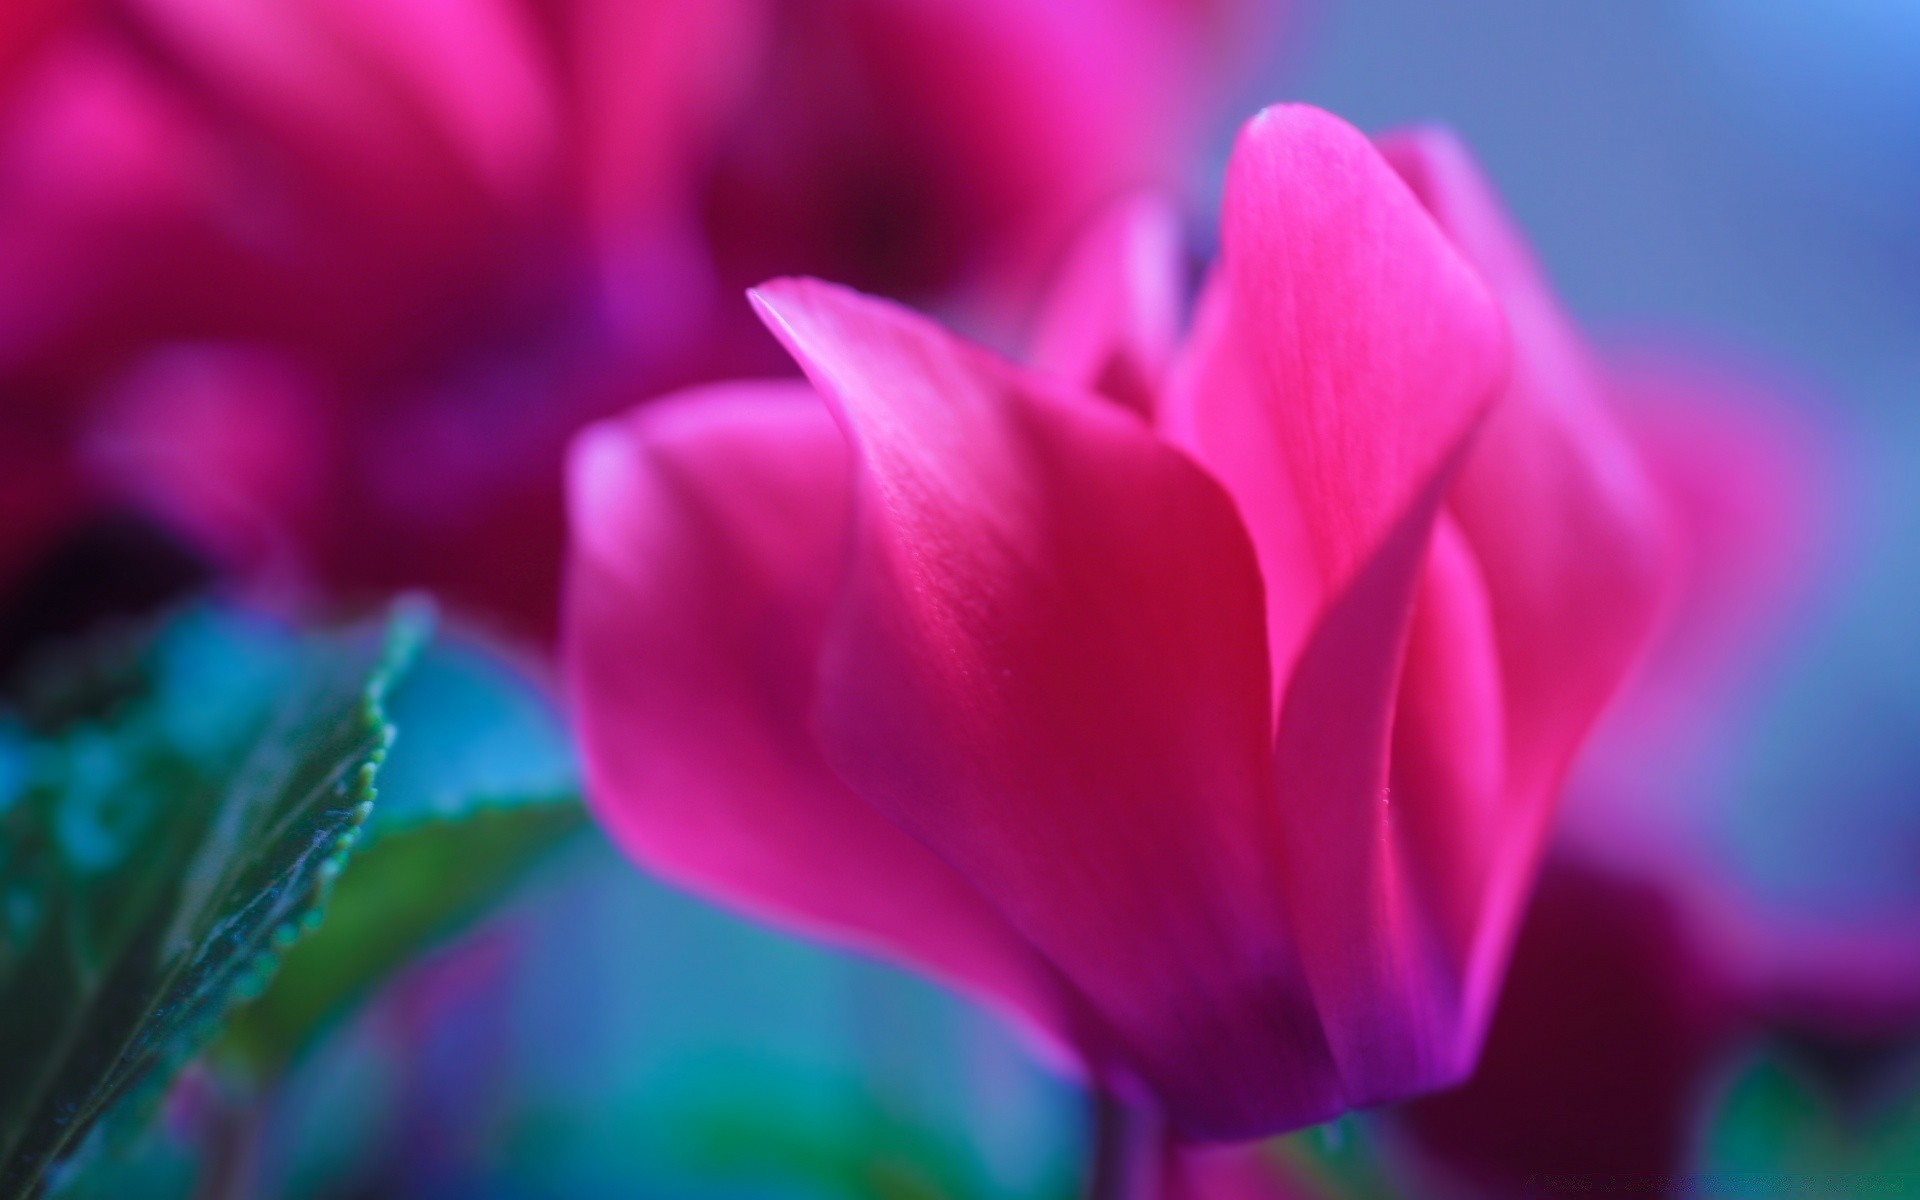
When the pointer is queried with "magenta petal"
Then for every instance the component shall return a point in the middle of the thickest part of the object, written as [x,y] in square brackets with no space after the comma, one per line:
[1114,313]
[1374,351]
[1552,498]
[1449,748]
[24,27]
[1377,345]
[709,536]
[1385,983]
[1562,522]
[1215,407]
[1048,667]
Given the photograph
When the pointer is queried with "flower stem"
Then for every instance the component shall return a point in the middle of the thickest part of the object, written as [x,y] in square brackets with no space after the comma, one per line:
[1127,1150]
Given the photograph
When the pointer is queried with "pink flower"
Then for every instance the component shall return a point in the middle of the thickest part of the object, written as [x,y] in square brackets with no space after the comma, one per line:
[1219,744]
[452,233]
[351,226]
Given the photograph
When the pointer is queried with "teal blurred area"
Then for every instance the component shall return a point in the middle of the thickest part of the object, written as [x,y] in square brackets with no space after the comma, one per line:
[606,1036]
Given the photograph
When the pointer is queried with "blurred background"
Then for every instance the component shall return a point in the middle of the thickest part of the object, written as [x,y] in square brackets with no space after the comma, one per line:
[1721,980]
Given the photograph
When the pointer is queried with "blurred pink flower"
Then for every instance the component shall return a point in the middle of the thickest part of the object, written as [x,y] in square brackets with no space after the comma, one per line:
[1751,483]
[453,232]
[1219,743]
[906,146]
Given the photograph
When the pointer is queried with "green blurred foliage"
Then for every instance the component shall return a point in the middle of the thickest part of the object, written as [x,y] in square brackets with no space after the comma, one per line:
[480,786]
[1778,1133]
[173,812]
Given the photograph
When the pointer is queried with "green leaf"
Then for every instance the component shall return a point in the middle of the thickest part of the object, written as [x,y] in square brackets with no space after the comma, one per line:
[173,812]
[479,787]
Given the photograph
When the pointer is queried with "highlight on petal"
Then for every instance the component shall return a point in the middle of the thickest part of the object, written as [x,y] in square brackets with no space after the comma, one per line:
[1047,666]
[709,538]
[1378,346]
[1113,315]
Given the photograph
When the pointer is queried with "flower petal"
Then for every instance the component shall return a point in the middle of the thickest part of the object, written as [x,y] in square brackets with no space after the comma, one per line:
[1373,350]
[1448,775]
[1112,318]
[709,534]
[1048,667]
[24,26]
[1215,408]
[1377,345]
